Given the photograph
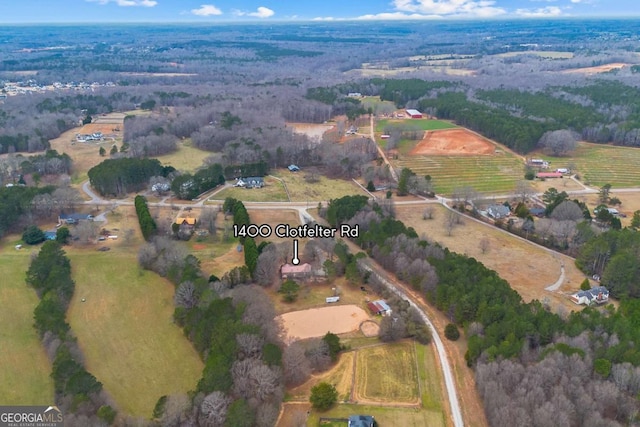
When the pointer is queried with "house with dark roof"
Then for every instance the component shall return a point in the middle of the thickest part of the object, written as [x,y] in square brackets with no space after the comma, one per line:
[597,295]
[250,182]
[498,211]
[539,212]
[361,421]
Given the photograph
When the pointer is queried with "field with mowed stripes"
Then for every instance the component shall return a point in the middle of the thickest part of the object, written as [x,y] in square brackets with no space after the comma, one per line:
[497,173]
[598,164]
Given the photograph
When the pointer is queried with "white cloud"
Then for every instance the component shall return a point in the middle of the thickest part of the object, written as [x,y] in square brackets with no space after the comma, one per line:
[460,8]
[206,10]
[398,16]
[127,3]
[540,12]
[262,12]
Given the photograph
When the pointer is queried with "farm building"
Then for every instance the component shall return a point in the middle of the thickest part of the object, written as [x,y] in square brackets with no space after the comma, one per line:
[598,295]
[380,307]
[538,163]
[544,175]
[74,218]
[332,299]
[361,421]
[414,114]
[385,136]
[498,211]
[293,168]
[290,271]
[250,182]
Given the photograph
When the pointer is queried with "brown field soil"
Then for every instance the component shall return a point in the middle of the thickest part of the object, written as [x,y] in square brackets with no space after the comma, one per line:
[630,204]
[369,328]
[595,70]
[312,130]
[563,184]
[453,142]
[127,73]
[105,128]
[316,322]
[340,375]
[528,268]
[273,217]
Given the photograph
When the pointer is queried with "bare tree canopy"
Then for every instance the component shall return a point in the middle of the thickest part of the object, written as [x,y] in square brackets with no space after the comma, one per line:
[559,142]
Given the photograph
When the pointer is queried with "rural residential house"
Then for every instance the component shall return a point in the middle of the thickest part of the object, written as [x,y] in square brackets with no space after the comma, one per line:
[598,295]
[498,211]
[361,421]
[300,271]
[74,218]
[250,182]
[380,307]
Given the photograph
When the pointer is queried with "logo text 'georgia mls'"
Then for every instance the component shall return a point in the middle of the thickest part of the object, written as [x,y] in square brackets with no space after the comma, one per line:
[31,416]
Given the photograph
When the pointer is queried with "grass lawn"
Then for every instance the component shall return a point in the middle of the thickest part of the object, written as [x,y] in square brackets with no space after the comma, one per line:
[126,333]
[387,373]
[340,375]
[498,173]
[273,191]
[599,164]
[186,158]
[323,190]
[430,378]
[424,124]
[384,416]
[24,367]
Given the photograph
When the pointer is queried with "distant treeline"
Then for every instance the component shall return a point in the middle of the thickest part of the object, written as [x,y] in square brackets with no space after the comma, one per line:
[602,112]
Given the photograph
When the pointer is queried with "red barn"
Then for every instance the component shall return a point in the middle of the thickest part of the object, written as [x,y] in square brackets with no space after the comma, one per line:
[414,114]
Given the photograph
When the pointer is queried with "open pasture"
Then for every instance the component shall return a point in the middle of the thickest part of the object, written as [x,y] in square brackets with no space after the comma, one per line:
[24,367]
[496,173]
[527,267]
[273,191]
[422,124]
[387,373]
[313,192]
[125,329]
[599,164]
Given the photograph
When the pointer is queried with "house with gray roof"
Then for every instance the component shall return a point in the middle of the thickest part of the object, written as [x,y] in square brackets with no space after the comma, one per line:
[596,295]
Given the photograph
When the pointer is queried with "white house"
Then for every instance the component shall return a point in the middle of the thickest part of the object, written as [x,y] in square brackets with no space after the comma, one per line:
[598,295]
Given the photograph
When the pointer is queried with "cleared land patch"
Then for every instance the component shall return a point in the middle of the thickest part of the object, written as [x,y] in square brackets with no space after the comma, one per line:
[528,268]
[312,130]
[185,158]
[387,373]
[323,190]
[24,367]
[126,331]
[597,69]
[454,141]
[316,322]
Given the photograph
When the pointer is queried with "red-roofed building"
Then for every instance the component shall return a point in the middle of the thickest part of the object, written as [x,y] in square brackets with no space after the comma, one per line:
[379,307]
[290,271]
[548,175]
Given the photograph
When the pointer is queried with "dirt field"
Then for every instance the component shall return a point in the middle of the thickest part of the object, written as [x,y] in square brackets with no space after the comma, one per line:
[596,70]
[312,130]
[527,268]
[107,129]
[316,322]
[452,142]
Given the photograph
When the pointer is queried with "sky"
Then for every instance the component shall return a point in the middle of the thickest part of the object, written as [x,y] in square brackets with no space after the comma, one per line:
[62,11]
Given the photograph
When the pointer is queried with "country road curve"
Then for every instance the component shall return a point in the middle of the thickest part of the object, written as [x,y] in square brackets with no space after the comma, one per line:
[452,394]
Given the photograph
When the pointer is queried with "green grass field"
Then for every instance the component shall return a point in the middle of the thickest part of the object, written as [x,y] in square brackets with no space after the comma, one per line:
[496,174]
[387,373]
[186,158]
[599,164]
[24,367]
[325,189]
[126,332]
[424,124]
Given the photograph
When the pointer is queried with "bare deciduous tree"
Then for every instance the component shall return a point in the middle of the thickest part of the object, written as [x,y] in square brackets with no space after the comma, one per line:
[567,211]
[484,245]
[214,409]
[208,218]
[524,191]
[185,295]
[295,364]
[559,142]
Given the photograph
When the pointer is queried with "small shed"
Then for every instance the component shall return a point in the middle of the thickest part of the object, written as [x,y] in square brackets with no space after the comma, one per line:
[293,168]
[332,299]
[379,307]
